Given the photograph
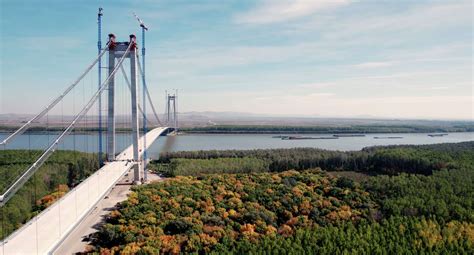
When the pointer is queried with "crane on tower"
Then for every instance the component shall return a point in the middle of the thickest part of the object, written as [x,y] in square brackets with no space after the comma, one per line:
[141,22]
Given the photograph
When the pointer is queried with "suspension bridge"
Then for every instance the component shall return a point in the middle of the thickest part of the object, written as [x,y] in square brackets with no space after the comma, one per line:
[44,233]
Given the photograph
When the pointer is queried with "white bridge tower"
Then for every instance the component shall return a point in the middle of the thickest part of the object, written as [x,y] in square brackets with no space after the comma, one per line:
[172,111]
[117,50]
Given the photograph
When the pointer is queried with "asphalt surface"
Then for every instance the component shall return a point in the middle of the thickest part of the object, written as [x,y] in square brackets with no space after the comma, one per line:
[77,240]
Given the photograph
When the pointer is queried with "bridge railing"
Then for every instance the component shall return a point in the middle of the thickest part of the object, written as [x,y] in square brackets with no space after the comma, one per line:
[44,232]
[47,229]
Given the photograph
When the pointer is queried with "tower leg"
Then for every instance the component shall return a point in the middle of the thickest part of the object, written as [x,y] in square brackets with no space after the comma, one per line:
[111,113]
[175,121]
[137,171]
[168,110]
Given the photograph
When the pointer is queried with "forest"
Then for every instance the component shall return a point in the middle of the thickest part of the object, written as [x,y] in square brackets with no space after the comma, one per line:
[61,172]
[455,126]
[422,159]
[354,129]
[414,200]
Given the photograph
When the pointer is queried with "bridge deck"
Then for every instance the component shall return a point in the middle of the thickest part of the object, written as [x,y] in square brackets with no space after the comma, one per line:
[45,231]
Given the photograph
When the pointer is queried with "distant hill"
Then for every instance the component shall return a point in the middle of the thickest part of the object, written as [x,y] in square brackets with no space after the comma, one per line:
[208,118]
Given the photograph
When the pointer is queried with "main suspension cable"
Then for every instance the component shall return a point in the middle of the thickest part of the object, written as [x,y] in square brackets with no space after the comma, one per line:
[130,88]
[147,92]
[23,128]
[39,162]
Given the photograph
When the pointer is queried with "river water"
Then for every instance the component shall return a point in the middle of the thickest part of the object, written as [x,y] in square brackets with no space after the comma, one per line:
[190,142]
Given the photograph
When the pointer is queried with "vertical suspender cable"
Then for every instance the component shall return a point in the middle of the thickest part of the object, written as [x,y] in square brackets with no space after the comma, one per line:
[22,129]
[130,89]
[36,221]
[91,119]
[3,208]
[85,142]
[106,107]
[148,95]
[74,112]
[142,72]
[52,147]
[62,118]
[176,111]
[144,105]
[99,48]
[47,127]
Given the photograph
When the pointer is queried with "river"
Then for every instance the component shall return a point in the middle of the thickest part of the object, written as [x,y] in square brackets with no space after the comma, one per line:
[190,142]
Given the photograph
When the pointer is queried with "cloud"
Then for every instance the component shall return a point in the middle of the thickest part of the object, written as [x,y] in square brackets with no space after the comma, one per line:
[327,104]
[284,97]
[374,64]
[198,59]
[45,42]
[282,10]
[316,85]
[439,88]
[415,20]
[386,27]
[320,95]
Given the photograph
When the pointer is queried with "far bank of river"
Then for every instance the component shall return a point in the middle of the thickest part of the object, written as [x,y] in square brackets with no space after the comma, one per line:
[192,142]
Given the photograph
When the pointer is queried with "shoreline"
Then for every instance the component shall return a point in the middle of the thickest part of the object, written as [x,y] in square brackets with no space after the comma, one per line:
[51,132]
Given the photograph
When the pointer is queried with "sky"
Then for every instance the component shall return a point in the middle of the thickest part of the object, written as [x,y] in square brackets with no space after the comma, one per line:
[319,58]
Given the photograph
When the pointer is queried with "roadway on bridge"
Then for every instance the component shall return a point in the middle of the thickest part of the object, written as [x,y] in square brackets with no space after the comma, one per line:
[44,232]
[77,240]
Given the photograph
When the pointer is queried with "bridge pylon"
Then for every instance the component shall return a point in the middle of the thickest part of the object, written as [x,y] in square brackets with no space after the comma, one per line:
[117,50]
[172,111]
